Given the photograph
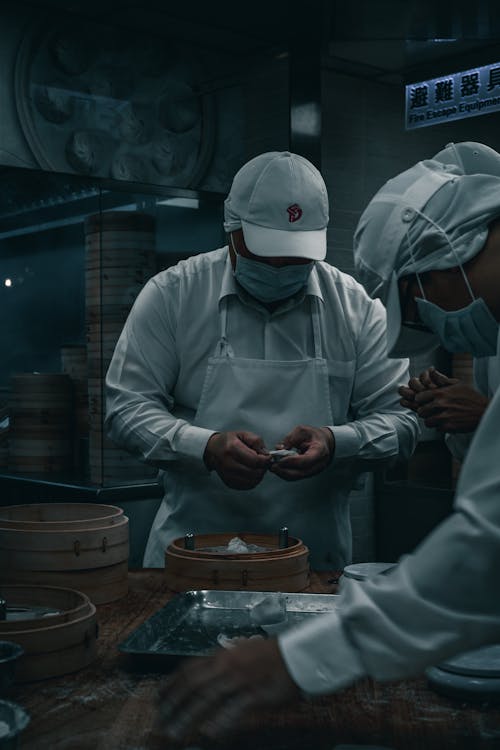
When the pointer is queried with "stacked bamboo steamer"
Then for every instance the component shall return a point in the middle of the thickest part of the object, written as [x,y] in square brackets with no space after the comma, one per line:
[82,546]
[120,258]
[56,628]
[462,367]
[4,435]
[74,364]
[276,569]
[40,430]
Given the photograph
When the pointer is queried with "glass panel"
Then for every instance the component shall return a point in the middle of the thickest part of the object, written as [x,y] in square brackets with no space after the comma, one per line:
[74,254]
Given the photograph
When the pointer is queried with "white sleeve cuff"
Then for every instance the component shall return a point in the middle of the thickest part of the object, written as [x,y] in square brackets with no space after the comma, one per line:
[347,441]
[319,657]
[191,441]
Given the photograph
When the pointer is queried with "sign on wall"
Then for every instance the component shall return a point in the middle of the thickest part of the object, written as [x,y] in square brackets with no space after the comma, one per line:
[453,97]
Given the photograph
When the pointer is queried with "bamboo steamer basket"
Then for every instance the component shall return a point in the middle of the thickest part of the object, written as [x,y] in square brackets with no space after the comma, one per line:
[74,363]
[76,545]
[124,221]
[41,412]
[120,258]
[279,569]
[54,644]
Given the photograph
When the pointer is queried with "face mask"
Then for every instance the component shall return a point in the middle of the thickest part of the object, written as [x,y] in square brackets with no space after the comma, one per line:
[472,329]
[268,284]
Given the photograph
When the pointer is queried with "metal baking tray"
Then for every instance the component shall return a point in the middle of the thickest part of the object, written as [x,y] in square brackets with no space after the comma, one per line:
[191,622]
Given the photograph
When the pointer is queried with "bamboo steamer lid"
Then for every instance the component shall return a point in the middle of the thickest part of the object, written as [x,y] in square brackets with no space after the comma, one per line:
[46,516]
[55,644]
[80,545]
[279,569]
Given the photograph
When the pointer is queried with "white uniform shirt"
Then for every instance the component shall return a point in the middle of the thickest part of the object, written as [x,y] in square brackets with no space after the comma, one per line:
[160,359]
[438,601]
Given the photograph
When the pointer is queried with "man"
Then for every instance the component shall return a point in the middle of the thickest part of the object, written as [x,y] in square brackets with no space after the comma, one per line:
[443,598]
[445,403]
[254,345]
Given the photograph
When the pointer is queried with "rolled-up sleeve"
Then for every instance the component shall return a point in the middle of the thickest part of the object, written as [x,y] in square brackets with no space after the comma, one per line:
[380,428]
[140,381]
[437,602]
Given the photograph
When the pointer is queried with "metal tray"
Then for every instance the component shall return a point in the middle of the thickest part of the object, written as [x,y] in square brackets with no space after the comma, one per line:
[190,623]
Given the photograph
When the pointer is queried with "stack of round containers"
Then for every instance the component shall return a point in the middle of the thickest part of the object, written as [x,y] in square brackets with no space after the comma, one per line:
[40,412]
[74,364]
[120,258]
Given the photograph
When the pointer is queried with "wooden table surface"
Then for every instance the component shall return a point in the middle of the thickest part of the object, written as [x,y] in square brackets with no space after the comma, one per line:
[109,707]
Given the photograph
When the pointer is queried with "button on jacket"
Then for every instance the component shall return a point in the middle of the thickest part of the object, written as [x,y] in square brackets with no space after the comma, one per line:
[155,379]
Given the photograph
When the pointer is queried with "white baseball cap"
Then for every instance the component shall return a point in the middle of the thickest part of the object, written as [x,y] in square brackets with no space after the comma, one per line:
[279,200]
[432,216]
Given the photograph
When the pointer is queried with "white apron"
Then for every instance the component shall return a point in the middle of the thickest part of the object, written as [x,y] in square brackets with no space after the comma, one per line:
[270,398]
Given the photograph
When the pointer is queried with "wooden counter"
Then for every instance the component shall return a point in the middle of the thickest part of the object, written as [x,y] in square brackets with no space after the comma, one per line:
[108,707]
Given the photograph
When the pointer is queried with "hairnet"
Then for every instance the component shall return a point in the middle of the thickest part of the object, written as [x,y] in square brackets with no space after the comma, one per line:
[432,216]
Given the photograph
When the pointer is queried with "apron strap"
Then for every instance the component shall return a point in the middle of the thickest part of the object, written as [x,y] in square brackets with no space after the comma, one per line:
[318,349]
[223,348]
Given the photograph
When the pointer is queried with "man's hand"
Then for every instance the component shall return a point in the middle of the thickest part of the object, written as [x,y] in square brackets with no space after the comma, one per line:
[211,696]
[239,458]
[429,379]
[444,403]
[316,446]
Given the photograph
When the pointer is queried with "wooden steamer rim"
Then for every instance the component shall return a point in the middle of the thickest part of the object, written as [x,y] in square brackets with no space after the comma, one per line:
[58,516]
[53,649]
[54,549]
[74,604]
[83,546]
[214,540]
[280,569]
[101,585]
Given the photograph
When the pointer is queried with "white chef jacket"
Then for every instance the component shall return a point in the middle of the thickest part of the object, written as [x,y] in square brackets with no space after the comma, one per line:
[160,360]
[440,600]
[486,372]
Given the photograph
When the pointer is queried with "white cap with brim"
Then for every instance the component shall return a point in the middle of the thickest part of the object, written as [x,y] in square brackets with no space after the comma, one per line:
[269,243]
[280,201]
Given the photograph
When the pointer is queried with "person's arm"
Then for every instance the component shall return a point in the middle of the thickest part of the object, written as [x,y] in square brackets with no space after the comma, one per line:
[380,428]
[140,381]
[438,601]
[141,378]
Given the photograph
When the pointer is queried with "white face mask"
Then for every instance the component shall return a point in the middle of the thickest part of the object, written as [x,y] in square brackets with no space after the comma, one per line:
[471,329]
[268,284]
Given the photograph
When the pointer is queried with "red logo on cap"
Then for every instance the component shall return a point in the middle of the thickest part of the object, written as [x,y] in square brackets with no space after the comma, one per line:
[294,212]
